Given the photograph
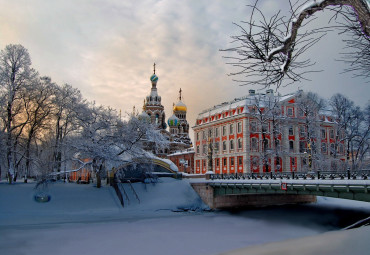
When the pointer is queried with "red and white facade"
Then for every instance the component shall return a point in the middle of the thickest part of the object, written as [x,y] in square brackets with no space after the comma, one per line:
[234,133]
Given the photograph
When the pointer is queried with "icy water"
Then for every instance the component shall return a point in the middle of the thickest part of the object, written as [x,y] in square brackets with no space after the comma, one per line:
[320,216]
[81,219]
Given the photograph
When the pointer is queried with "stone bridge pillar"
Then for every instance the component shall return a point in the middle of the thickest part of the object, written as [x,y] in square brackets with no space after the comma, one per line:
[207,194]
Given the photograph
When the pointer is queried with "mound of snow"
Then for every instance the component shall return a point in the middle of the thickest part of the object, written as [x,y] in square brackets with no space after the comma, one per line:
[72,202]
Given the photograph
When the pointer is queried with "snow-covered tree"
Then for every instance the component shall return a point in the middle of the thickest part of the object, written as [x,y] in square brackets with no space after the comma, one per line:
[353,129]
[266,111]
[66,101]
[15,74]
[38,109]
[268,50]
[108,141]
[309,106]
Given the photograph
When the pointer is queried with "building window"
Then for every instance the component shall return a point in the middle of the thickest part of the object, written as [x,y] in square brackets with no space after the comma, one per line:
[216,146]
[204,163]
[223,130]
[254,144]
[323,133]
[210,133]
[204,149]
[231,129]
[217,162]
[291,130]
[240,144]
[341,148]
[302,146]
[216,132]
[239,127]
[302,131]
[332,148]
[225,162]
[224,145]
[232,161]
[231,144]
[323,148]
[331,133]
[290,111]
[240,161]
[197,136]
[253,126]
[198,149]
[291,146]
[293,161]
[204,134]
[198,164]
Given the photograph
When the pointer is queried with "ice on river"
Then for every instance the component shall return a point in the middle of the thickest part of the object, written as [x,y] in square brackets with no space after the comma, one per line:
[81,219]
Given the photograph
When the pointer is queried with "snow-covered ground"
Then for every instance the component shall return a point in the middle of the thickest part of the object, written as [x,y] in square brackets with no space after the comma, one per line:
[81,219]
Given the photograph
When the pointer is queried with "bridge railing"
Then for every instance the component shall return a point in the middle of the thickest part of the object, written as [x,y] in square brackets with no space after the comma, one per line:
[322,175]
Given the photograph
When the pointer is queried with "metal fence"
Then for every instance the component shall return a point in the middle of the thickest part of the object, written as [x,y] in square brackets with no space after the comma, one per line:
[321,175]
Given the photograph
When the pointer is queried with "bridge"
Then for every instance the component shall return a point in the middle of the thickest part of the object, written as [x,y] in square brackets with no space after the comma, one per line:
[138,169]
[263,189]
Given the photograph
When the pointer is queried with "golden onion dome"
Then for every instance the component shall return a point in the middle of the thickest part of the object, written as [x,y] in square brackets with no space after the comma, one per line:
[180,106]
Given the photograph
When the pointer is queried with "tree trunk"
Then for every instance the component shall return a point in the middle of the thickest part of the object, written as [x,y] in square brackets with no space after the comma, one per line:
[98,178]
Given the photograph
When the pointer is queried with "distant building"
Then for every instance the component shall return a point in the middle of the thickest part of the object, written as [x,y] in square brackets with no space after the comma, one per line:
[81,175]
[153,110]
[266,133]
[184,160]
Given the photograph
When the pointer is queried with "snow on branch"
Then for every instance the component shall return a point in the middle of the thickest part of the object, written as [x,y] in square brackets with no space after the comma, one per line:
[268,49]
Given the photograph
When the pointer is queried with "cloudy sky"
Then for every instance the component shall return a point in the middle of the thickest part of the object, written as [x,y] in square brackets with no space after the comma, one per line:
[107,48]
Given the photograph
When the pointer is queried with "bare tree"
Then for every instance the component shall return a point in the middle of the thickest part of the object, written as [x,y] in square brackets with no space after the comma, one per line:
[309,106]
[38,112]
[268,49]
[15,73]
[66,101]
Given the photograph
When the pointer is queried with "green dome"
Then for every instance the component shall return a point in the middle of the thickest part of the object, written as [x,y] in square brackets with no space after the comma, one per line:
[154,78]
[173,121]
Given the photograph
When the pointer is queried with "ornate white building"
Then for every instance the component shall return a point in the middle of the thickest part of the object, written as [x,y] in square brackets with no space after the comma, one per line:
[178,125]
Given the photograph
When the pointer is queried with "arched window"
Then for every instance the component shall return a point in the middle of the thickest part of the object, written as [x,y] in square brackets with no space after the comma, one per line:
[240,144]
[323,148]
[224,145]
[254,144]
[157,118]
[231,144]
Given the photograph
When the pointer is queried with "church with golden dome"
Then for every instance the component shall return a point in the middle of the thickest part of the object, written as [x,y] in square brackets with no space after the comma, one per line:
[153,110]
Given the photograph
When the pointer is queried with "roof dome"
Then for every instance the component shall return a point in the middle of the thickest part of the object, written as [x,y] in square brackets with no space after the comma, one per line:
[173,121]
[154,78]
[180,106]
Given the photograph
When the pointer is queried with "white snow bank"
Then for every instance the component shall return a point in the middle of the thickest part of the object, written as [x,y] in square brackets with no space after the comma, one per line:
[84,202]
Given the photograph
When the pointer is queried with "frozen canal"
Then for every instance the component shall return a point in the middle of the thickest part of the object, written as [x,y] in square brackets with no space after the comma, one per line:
[81,219]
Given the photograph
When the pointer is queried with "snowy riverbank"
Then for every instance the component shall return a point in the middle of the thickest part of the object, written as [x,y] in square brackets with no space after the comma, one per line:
[81,219]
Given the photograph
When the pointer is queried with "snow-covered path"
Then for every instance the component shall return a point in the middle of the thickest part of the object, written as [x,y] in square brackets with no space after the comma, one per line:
[81,219]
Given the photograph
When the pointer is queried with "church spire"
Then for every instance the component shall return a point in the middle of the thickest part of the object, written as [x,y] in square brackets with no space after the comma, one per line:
[180,94]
